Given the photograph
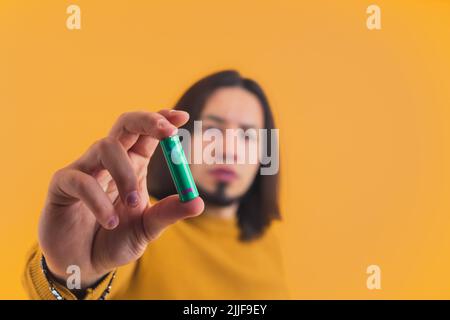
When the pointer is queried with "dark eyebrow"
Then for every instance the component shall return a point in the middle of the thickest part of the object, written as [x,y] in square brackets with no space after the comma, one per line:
[215,118]
[222,120]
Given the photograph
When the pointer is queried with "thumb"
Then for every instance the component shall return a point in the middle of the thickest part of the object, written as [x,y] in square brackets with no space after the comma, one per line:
[168,211]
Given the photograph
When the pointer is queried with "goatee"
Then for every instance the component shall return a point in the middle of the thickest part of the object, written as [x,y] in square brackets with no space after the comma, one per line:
[218,197]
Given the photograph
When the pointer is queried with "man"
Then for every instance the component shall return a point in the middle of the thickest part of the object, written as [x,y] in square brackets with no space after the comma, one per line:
[98,217]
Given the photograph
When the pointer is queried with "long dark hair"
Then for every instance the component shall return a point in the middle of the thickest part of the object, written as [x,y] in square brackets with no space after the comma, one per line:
[259,206]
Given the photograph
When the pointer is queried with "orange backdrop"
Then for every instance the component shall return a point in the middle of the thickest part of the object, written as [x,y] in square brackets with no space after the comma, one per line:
[364,120]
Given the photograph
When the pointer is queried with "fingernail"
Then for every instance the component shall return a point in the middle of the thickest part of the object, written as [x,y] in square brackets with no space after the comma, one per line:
[178,111]
[133,199]
[113,222]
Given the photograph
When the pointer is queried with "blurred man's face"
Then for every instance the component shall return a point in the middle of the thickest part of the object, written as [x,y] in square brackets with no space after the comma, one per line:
[235,109]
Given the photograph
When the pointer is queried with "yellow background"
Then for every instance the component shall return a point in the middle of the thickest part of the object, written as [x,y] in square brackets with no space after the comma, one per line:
[364,120]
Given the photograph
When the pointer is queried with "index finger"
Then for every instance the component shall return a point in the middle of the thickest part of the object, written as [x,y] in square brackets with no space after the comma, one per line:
[131,125]
[175,117]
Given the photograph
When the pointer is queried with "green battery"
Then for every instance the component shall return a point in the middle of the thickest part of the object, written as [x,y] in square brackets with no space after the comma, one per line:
[179,168]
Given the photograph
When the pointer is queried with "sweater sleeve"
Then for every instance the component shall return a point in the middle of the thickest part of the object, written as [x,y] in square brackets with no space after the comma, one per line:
[37,286]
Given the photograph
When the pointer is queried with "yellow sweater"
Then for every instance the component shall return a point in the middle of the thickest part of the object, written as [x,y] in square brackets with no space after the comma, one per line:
[198,258]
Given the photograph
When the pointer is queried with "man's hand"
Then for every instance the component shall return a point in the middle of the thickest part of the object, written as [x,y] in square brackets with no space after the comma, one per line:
[97,213]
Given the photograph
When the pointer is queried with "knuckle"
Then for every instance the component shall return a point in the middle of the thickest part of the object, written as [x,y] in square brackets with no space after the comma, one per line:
[58,174]
[138,241]
[57,177]
[94,146]
[106,144]
[144,233]
[152,117]
[122,117]
[75,180]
